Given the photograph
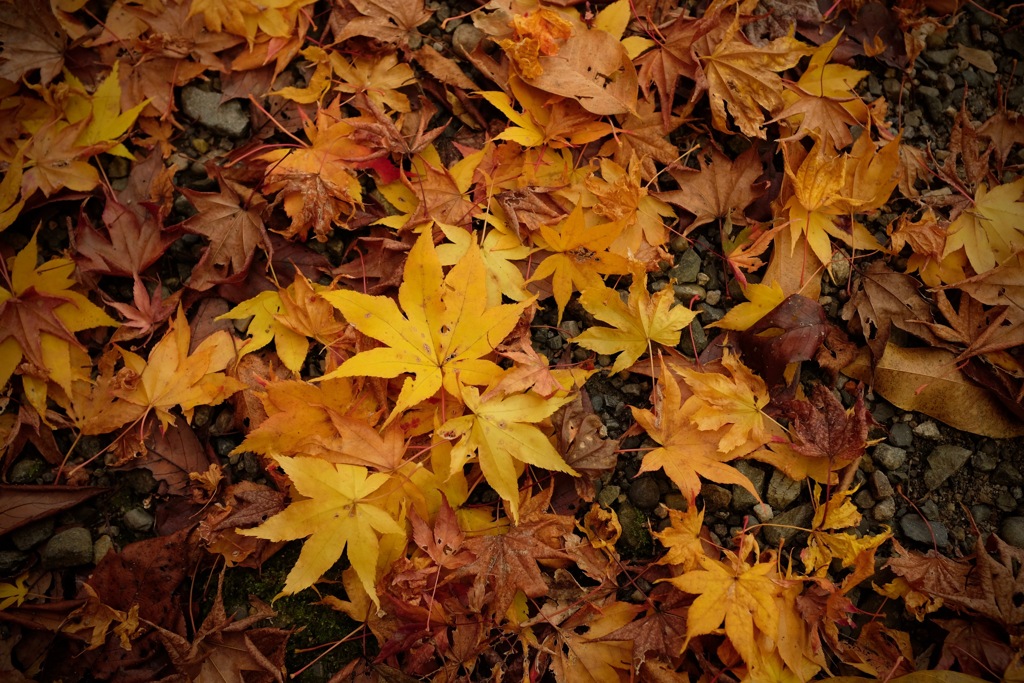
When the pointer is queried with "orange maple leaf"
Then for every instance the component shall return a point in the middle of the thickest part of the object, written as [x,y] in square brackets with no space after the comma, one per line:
[686,452]
[741,595]
[444,332]
[579,256]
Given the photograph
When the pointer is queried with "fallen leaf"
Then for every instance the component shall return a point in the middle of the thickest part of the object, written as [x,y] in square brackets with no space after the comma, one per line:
[639,324]
[338,511]
[928,381]
[441,337]
[502,430]
[686,454]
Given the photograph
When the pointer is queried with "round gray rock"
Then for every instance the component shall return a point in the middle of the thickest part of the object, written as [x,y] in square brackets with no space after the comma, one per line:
[644,493]
[138,519]
[889,457]
[68,548]
[1012,531]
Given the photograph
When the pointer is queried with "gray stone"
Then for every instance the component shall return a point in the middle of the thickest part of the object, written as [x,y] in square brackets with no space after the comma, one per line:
[981,513]
[1005,473]
[741,497]
[864,500]
[1012,531]
[943,462]
[26,471]
[884,510]
[1006,502]
[839,268]
[226,118]
[138,519]
[879,485]
[644,493]
[675,501]
[11,561]
[929,509]
[686,269]
[928,430]
[608,495]
[782,490]
[698,338]
[688,292]
[715,497]
[788,524]
[103,545]
[889,457]
[900,435]
[940,57]
[713,297]
[68,548]
[891,87]
[984,462]
[917,529]
[763,512]
[31,535]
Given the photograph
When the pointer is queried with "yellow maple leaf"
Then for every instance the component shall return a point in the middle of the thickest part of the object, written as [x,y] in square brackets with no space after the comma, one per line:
[735,402]
[106,122]
[264,327]
[619,195]
[446,328]
[643,321]
[686,452]
[579,256]
[682,538]
[761,299]
[275,18]
[992,229]
[827,542]
[13,593]
[744,76]
[502,430]
[826,186]
[546,120]
[39,317]
[287,317]
[338,511]
[173,377]
[741,595]
[498,249]
[377,78]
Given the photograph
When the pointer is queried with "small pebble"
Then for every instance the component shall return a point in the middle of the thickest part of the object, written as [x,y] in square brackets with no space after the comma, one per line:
[138,519]
[981,513]
[884,510]
[644,493]
[889,457]
[900,435]
[608,495]
[944,461]
[68,548]
[928,430]
[1012,531]
[880,486]
[921,531]
[763,512]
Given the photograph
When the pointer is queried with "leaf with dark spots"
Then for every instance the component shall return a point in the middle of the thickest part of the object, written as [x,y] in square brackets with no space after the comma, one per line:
[822,428]
[147,573]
